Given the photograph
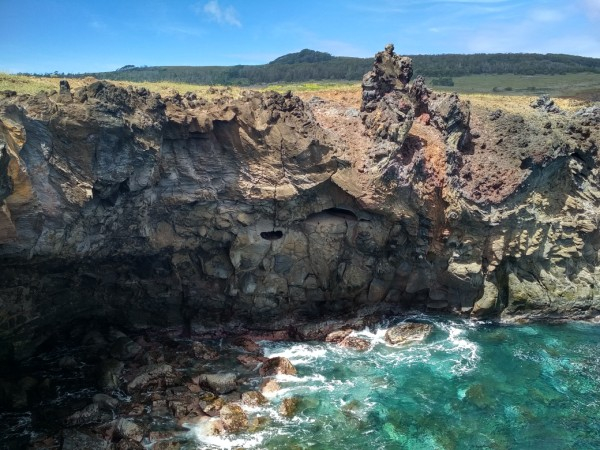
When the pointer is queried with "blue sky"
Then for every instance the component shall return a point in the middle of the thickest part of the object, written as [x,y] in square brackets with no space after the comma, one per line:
[86,35]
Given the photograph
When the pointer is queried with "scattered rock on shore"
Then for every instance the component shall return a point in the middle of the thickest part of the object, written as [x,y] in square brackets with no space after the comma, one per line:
[277,366]
[289,406]
[234,418]
[407,332]
[355,343]
[219,383]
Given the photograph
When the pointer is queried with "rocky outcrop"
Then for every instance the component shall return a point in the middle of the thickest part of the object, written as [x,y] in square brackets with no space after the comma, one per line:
[408,332]
[262,211]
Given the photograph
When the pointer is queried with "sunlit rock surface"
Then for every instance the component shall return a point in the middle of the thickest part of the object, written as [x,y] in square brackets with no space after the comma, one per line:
[264,211]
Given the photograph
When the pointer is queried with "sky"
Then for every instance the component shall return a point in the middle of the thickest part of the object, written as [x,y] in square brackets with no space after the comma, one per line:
[75,36]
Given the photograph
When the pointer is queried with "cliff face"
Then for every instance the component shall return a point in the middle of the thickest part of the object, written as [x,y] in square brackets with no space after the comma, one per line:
[266,210]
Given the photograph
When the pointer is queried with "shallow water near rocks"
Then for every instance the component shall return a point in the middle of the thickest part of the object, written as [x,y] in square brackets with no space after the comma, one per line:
[468,385]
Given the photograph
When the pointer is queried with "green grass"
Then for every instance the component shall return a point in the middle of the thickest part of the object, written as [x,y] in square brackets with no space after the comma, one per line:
[313,86]
[27,85]
[585,85]
[572,84]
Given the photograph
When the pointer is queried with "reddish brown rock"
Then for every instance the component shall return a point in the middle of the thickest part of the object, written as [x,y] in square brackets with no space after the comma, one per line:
[338,336]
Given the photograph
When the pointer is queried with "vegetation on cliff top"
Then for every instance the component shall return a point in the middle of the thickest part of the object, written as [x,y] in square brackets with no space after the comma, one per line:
[309,65]
[583,85]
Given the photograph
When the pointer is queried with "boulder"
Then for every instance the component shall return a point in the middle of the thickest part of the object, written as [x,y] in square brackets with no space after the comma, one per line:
[202,351]
[105,402]
[546,104]
[219,383]
[337,336]
[289,406]
[234,418]
[211,404]
[150,375]
[129,429]
[251,362]
[89,414]
[407,332]
[269,387]
[247,344]
[254,398]
[355,343]
[277,366]
[110,373]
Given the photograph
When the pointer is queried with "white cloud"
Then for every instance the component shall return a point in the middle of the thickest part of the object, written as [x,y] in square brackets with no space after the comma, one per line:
[223,15]
[592,8]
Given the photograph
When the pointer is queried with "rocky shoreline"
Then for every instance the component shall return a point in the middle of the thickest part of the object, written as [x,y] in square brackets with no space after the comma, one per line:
[99,388]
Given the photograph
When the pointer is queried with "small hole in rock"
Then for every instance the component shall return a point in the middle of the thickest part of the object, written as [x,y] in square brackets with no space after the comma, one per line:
[271,235]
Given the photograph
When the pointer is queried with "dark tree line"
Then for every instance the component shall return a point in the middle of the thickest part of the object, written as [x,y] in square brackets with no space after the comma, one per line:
[309,65]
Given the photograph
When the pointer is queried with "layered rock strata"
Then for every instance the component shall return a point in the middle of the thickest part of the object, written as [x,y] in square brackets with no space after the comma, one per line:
[264,210]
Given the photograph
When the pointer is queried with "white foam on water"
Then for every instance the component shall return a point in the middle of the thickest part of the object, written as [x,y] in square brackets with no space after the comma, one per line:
[469,355]
[313,383]
[201,433]
[296,379]
[297,353]
[376,337]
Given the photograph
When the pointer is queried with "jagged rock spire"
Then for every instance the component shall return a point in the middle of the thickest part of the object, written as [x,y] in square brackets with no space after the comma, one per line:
[390,72]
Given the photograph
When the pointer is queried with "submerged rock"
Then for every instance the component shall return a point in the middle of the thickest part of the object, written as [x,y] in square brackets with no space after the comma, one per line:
[289,406]
[408,332]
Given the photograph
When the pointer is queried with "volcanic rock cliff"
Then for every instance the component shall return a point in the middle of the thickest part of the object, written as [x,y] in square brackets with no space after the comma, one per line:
[266,210]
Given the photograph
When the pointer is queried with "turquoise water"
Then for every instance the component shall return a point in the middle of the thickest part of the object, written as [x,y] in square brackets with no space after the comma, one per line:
[467,386]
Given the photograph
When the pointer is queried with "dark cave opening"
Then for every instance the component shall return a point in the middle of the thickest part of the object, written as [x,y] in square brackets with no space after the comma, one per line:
[271,235]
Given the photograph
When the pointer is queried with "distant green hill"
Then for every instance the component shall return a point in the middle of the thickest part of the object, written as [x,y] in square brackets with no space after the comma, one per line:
[308,65]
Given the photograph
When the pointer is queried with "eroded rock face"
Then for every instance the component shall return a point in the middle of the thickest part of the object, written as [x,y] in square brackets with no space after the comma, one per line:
[265,211]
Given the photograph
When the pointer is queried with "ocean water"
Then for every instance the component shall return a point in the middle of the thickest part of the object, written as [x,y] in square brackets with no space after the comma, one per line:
[467,386]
